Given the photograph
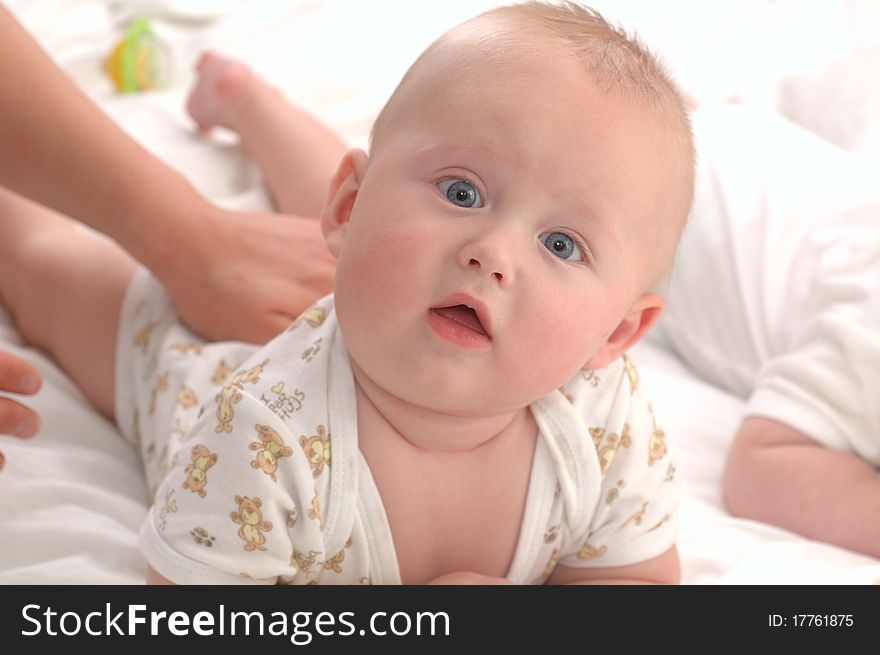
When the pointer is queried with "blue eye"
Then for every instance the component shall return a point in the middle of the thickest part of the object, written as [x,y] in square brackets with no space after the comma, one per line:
[461,193]
[562,245]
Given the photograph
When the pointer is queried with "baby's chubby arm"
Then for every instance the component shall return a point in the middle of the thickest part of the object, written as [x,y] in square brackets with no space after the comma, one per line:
[467,578]
[460,578]
[153,577]
[779,475]
[660,570]
[663,569]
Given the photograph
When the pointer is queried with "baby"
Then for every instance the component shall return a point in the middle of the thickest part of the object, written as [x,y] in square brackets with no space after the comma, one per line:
[779,303]
[461,409]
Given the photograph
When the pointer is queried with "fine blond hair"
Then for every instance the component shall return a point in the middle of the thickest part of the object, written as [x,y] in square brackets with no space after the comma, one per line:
[618,62]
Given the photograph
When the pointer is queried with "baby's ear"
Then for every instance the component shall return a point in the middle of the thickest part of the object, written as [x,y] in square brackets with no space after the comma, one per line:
[643,313]
[344,188]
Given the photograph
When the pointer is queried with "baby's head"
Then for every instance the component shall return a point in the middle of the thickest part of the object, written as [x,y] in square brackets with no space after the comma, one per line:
[558,40]
[527,184]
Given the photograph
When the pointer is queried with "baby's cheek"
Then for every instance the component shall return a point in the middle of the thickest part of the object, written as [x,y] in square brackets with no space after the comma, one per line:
[381,266]
[562,343]
[402,250]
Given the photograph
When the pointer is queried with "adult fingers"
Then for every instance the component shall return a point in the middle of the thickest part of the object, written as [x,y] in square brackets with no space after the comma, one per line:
[17,376]
[17,420]
[270,328]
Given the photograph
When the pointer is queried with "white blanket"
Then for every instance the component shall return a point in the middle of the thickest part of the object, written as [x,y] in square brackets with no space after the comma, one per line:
[72,500]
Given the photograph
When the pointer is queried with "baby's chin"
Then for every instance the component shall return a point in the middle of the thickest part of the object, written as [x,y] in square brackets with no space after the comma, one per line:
[468,402]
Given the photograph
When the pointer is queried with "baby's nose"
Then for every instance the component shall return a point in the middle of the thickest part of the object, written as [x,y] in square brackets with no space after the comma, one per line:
[477,264]
[490,254]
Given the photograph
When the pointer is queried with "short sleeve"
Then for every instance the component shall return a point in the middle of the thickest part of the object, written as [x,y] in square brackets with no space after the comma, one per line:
[240,502]
[826,385]
[635,518]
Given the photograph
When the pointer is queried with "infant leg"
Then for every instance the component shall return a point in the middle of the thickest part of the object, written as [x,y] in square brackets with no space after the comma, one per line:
[64,285]
[297,154]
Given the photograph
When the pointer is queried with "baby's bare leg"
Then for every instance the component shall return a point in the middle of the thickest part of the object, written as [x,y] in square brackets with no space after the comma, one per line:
[64,287]
[778,475]
[297,154]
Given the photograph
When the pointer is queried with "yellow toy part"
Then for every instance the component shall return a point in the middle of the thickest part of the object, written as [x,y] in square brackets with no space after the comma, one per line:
[139,61]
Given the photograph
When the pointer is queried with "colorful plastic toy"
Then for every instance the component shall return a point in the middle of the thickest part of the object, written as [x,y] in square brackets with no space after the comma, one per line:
[140,61]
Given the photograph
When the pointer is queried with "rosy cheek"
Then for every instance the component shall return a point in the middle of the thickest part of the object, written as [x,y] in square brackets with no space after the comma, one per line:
[384,257]
[398,250]
[383,268]
[561,343]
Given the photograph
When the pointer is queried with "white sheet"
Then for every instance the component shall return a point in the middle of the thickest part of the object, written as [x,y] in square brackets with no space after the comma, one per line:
[71,501]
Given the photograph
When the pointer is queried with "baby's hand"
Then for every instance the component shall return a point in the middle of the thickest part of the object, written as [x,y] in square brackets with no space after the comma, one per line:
[467,578]
[17,376]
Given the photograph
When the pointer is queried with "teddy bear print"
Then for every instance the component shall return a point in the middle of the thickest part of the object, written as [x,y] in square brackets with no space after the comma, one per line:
[656,443]
[168,507]
[637,517]
[201,459]
[335,563]
[160,386]
[250,518]
[195,348]
[142,338]
[317,450]
[612,444]
[270,448]
[614,493]
[187,398]
[202,538]
[315,511]
[230,394]
[590,552]
[632,373]
[221,372]
[314,316]
[666,518]
[305,563]
[548,568]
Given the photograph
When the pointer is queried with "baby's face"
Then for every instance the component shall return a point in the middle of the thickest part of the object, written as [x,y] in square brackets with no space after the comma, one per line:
[498,236]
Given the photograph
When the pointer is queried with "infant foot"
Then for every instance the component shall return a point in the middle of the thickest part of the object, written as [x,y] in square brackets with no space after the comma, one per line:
[221,89]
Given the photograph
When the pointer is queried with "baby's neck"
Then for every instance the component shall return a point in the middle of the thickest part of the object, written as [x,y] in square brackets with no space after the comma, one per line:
[429,430]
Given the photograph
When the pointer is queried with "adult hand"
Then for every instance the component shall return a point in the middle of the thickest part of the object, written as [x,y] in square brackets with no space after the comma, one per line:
[248,275]
[17,376]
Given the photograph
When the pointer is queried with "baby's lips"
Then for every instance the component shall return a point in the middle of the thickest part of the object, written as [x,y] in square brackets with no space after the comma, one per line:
[478,310]
[463,315]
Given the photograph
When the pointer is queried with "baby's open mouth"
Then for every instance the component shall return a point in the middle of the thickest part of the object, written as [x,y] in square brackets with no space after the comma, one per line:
[464,316]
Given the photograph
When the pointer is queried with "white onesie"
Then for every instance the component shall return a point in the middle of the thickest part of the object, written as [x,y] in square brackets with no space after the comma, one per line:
[265,483]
